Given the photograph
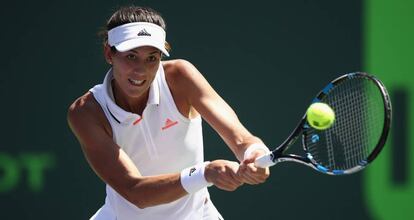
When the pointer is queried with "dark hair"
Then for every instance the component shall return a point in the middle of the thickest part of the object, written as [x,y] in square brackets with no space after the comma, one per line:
[130,14]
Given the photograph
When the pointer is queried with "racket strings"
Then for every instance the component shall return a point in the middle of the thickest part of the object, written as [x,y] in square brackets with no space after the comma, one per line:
[359,111]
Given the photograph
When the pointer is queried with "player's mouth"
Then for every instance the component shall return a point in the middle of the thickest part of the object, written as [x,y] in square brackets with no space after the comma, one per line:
[137,82]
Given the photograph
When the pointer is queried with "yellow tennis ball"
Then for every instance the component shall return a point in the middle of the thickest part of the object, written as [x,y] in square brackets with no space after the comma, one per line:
[320,116]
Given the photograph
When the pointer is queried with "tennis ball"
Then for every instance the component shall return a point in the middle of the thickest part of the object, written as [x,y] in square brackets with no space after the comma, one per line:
[320,116]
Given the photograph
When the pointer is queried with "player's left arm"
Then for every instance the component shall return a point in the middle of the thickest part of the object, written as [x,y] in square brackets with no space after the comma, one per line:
[205,100]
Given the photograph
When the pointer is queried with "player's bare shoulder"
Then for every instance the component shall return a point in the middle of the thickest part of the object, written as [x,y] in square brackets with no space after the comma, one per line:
[86,110]
[179,70]
[182,78]
[82,107]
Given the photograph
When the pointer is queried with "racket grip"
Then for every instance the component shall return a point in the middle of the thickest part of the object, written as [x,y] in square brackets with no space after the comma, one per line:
[264,161]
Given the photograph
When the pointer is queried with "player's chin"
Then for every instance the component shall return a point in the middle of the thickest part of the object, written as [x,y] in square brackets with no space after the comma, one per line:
[136,92]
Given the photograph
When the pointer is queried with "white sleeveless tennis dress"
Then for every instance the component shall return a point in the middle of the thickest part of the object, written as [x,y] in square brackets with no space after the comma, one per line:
[160,141]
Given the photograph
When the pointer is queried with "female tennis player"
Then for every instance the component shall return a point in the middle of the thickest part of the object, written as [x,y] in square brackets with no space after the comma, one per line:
[140,130]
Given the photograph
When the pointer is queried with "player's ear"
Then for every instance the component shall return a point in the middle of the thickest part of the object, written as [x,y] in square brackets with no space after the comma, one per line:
[108,53]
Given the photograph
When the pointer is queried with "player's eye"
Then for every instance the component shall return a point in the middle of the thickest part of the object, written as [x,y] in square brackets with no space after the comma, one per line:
[131,57]
[152,59]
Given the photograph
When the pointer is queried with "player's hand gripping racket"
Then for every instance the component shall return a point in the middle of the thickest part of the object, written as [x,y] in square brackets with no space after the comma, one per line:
[363,117]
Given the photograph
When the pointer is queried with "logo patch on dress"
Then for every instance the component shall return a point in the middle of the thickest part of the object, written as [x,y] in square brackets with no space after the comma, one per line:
[169,123]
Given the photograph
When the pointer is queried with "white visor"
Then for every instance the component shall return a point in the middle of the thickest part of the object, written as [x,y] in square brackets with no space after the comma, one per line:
[132,35]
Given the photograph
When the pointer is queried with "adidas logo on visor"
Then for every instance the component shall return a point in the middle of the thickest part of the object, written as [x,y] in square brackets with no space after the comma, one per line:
[144,32]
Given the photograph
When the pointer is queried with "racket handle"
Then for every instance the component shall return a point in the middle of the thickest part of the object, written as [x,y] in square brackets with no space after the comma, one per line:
[264,161]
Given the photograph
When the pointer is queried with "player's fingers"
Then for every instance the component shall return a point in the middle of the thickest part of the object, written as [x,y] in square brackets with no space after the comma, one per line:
[228,180]
[253,175]
[235,179]
[225,187]
[253,156]
[246,176]
[248,160]
[248,179]
[225,184]
[233,166]
[232,172]
[257,173]
[261,174]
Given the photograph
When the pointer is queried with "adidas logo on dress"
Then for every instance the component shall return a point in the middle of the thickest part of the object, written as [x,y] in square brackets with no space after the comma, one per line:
[169,123]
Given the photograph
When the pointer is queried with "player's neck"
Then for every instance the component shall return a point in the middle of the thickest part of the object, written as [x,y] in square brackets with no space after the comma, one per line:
[131,104]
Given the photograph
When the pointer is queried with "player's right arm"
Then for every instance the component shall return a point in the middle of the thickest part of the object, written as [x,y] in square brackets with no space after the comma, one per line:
[114,167]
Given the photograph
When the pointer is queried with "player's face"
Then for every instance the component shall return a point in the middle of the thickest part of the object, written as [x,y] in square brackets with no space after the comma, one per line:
[134,70]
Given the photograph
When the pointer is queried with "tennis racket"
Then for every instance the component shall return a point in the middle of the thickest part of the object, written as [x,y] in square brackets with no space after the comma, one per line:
[363,116]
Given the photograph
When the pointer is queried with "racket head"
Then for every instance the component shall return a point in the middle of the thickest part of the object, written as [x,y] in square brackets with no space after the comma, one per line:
[363,117]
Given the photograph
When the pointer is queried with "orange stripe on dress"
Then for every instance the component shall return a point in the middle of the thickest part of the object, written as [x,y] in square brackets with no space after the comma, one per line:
[137,121]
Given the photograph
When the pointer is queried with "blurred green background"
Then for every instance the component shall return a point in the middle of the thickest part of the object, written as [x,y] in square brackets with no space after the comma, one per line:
[267,59]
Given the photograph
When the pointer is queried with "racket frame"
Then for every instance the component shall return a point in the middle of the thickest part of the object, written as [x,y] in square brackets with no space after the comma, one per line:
[277,156]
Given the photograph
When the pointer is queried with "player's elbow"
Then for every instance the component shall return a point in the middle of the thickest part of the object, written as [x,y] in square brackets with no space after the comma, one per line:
[135,200]
[139,202]
[137,197]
